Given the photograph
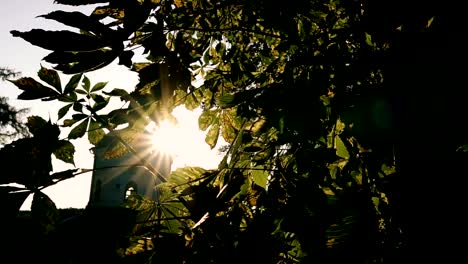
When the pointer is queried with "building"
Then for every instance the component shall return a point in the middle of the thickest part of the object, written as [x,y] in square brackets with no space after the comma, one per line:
[114,179]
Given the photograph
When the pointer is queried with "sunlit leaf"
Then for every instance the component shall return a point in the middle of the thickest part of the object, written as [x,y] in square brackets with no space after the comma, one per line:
[341,149]
[79,130]
[95,132]
[213,134]
[51,77]
[259,176]
[65,151]
[207,118]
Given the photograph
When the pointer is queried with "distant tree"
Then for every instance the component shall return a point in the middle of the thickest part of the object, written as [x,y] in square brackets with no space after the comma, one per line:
[11,125]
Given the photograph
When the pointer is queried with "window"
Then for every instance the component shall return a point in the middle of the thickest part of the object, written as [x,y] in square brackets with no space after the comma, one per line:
[130,189]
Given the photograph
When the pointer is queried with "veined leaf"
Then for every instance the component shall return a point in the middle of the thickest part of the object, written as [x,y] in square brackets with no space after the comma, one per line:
[65,151]
[259,176]
[341,149]
[51,77]
[213,134]
[79,130]
[207,118]
[33,89]
[95,132]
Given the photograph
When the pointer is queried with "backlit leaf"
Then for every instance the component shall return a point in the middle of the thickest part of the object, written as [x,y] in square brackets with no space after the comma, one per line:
[95,132]
[259,176]
[213,134]
[86,83]
[65,151]
[62,40]
[44,212]
[63,111]
[98,86]
[51,77]
[33,89]
[71,85]
[207,118]
[79,130]
[341,149]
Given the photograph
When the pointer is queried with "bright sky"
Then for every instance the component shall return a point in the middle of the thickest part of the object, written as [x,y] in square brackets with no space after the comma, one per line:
[20,55]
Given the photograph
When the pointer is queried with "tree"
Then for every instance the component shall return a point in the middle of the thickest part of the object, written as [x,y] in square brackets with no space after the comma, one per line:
[10,123]
[308,98]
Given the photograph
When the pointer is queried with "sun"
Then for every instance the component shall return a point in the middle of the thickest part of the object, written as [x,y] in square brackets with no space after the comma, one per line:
[166,138]
[183,140]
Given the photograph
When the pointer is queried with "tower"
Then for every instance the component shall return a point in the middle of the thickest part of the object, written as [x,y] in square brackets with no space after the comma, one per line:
[115,179]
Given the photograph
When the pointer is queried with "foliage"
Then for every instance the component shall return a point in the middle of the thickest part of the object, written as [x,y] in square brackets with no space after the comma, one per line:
[303,95]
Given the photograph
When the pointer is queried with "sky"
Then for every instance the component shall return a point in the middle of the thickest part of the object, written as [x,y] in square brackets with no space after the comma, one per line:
[17,54]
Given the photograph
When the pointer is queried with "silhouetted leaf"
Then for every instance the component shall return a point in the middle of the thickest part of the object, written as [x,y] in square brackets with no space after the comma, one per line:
[65,151]
[86,84]
[63,111]
[100,102]
[79,130]
[81,21]
[76,62]
[80,2]
[72,83]
[42,129]
[61,40]
[44,212]
[33,89]
[98,86]
[63,175]
[51,77]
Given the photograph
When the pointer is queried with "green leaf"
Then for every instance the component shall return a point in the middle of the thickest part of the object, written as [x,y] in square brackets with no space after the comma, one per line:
[86,84]
[63,111]
[341,149]
[71,85]
[213,134]
[206,119]
[79,130]
[44,212]
[259,176]
[69,122]
[183,175]
[98,86]
[369,39]
[81,91]
[65,151]
[51,77]
[100,102]
[95,132]
[78,107]
[33,89]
